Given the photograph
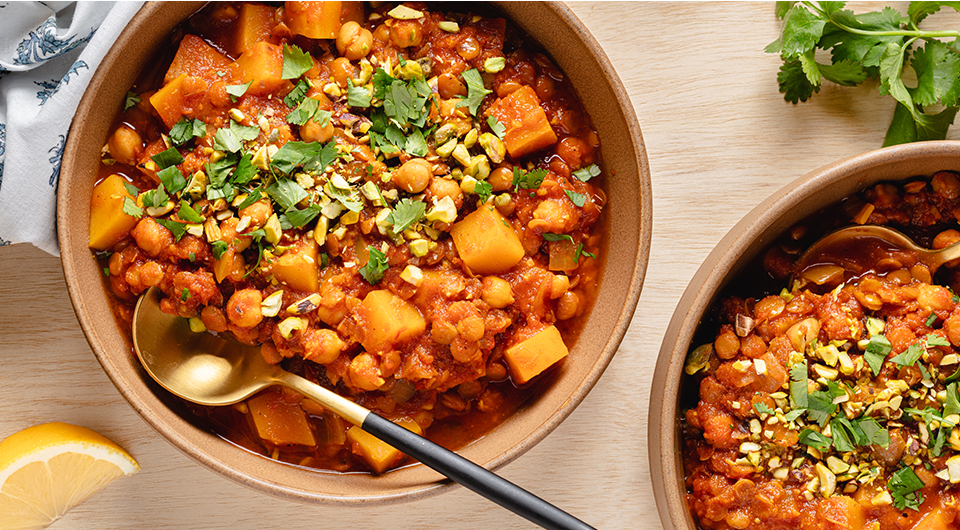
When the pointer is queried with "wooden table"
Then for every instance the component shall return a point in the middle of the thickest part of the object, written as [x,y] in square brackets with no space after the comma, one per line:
[720,139]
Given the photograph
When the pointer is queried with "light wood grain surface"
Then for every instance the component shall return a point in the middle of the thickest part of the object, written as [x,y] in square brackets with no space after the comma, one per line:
[720,139]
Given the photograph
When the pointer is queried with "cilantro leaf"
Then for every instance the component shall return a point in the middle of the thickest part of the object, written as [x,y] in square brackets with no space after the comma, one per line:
[416,144]
[304,111]
[226,140]
[294,154]
[172,179]
[952,404]
[798,385]
[578,199]
[814,439]
[909,356]
[296,62]
[131,100]
[843,436]
[498,128]
[299,218]
[876,352]
[547,236]
[475,91]
[820,407]
[295,96]
[253,197]
[801,31]
[483,189]
[875,435]
[178,229]
[937,70]
[904,486]
[319,163]
[236,91]
[762,408]
[286,193]
[165,159]
[187,213]
[936,340]
[587,173]
[357,96]
[405,213]
[844,72]
[528,180]
[185,130]
[130,208]
[245,171]
[218,248]
[794,84]
[375,267]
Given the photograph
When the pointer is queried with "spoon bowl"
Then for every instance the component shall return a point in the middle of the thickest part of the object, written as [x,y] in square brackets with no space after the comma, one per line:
[854,250]
[211,370]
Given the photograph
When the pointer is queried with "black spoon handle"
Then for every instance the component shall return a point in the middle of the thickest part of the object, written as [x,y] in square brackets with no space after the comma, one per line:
[472,476]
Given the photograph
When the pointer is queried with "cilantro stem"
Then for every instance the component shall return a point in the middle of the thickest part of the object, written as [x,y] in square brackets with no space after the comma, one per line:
[901,33]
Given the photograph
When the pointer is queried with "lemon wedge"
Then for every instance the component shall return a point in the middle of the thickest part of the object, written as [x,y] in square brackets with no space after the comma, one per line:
[47,469]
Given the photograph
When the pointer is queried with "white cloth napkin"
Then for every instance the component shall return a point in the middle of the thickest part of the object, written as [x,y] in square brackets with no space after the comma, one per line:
[48,53]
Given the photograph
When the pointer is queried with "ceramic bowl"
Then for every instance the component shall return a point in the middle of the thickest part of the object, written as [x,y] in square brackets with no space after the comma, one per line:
[627,220]
[743,245]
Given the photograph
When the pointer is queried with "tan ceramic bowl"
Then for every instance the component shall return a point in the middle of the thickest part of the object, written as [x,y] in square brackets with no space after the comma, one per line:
[744,244]
[628,219]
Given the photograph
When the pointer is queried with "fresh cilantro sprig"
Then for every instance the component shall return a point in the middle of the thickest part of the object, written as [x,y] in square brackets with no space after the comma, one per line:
[905,486]
[376,266]
[881,45]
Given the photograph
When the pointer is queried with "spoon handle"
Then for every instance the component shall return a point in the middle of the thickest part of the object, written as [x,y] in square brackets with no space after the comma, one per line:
[440,459]
[472,476]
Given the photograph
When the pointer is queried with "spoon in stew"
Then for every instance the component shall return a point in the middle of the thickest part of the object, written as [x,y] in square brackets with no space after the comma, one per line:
[210,370]
[856,249]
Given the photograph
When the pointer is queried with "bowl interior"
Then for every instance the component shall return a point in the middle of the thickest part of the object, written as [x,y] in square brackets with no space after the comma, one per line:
[741,246]
[628,219]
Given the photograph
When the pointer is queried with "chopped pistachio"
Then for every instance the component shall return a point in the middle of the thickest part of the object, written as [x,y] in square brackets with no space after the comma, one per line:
[471,138]
[290,324]
[449,26]
[272,229]
[195,229]
[494,64]
[402,12]
[468,184]
[461,155]
[270,306]
[419,247]
[412,275]
[304,305]
[196,325]
[158,211]
[350,217]
[236,114]
[493,146]
[444,211]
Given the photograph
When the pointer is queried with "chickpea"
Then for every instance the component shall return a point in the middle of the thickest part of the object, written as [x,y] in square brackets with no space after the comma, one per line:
[243,308]
[151,237]
[413,176]
[258,213]
[501,178]
[471,328]
[545,87]
[125,145]
[151,273]
[449,86]
[444,187]
[559,286]
[946,185]
[574,151]
[497,292]
[322,346]
[443,332]
[946,238]
[568,306]
[727,345]
[406,33]
[381,34]
[313,132]
[354,41]
[342,69]
[496,372]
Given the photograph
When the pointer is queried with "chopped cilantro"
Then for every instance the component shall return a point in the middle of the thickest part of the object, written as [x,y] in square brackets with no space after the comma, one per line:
[909,356]
[155,197]
[557,237]
[172,179]
[130,208]
[226,140]
[375,267]
[578,199]
[236,91]
[295,96]
[762,408]
[296,62]
[294,154]
[820,407]
[187,213]
[905,486]
[131,189]
[178,229]
[498,128]
[304,111]
[286,193]
[952,404]
[416,144]
[405,213]
[218,248]
[319,163]
[931,320]
[299,218]
[874,434]
[483,189]
[186,129]
[876,352]
[184,294]
[814,439]
[475,91]
[244,132]
[245,171]
[165,159]
[253,197]
[357,96]
[587,173]
[528,180]
[798,385]
[936,340]
[844,434]
[131,100]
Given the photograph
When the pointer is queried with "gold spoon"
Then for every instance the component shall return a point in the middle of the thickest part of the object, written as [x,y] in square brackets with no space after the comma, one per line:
[210,370]
[848,250]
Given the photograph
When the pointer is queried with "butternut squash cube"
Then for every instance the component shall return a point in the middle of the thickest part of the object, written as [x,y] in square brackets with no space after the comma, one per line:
[377,454]
[320,20]
[388,320]
[299,268]
[261,63]
[197,58]
[279,422]
[529,358]
[108,222]
[842,512]
[527,126]
[168,101]
[486,242]
[253,25]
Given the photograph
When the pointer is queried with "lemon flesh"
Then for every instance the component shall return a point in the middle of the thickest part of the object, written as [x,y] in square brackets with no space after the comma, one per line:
[47,469]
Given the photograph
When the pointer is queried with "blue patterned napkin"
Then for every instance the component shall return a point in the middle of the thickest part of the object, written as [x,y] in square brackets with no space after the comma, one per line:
[48,53]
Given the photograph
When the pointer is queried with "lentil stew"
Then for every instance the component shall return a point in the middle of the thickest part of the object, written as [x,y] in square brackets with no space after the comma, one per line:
[834,407]
[397,203]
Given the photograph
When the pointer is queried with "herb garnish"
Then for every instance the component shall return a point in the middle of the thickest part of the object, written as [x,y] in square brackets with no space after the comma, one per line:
[375,267]
[475,91]
[296,62]
[905,486]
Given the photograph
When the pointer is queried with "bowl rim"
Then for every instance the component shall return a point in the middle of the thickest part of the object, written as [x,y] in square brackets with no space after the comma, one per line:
[72,262]
[753,230]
